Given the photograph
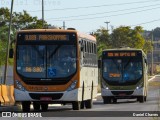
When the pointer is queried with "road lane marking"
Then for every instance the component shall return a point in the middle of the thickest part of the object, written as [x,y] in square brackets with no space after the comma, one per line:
[152,78]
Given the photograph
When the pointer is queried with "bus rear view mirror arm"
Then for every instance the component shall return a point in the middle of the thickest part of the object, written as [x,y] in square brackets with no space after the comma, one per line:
[11,53]
[99,63]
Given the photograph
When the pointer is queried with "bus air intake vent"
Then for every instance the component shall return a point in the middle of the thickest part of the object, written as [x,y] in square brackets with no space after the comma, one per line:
[54,96]
[122,92]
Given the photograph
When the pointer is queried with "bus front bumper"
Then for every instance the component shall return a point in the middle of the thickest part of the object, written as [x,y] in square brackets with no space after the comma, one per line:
[55,96]
[135,93]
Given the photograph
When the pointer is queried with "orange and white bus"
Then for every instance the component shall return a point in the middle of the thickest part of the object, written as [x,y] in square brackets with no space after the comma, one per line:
[55,66]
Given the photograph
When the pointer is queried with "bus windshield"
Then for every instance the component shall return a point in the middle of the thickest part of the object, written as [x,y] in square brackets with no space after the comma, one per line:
[46,61]
[122,71]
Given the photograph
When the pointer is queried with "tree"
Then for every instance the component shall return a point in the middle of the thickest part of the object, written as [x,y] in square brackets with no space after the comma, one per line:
[102,36]
[122,36]
[147,46]
[127,37]
[21,20]
[103,40]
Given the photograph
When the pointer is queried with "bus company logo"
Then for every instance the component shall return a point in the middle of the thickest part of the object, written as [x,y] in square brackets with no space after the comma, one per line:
[6,114]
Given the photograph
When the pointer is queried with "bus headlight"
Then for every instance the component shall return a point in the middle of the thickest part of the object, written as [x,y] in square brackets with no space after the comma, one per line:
[19,86]
[139,86]
[105,87]
[72,86]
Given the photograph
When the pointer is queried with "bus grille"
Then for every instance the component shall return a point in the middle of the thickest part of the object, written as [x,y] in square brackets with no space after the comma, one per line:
[122,92]
[54,96]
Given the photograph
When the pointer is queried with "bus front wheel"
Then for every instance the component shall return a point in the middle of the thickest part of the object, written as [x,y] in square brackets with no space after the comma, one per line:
[44,106]
[26,106]
[114,100]
[107,100]
[76,105]
[36,106]
[141,99]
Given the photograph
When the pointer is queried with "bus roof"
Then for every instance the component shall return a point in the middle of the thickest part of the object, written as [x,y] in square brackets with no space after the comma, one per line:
[46,30]
[81,35]
[86,36]
[123,49]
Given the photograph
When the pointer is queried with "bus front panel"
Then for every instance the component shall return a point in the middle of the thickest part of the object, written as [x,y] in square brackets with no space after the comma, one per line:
[122,74]
[46,66]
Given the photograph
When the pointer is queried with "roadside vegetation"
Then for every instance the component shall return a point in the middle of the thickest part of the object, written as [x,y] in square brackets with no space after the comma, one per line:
[154,83]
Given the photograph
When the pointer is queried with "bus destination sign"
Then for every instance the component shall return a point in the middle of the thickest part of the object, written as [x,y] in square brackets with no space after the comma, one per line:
[46,37]
[121,54]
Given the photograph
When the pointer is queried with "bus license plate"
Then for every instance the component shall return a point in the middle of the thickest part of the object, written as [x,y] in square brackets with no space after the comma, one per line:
[122,94]
[46,99]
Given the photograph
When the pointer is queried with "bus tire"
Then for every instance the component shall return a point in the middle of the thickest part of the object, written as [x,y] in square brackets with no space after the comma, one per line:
[76,105]
[89,103]
[141,99]
[82,103]
[114,100]
[106,100]
[36,106]
[26,106]
[145,98]
[44,106]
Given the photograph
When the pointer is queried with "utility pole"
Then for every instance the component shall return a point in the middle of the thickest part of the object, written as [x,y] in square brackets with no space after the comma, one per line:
[42,13]
[107,24]
[8,44]
[152,54]
[64,25]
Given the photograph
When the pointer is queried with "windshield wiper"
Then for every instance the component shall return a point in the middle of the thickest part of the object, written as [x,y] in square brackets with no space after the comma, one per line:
[117,66]
[35,48]
[54,52]
[127,63]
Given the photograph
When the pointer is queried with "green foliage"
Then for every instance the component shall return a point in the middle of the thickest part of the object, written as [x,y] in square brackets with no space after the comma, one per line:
[103,40]
[127,37]
[102,36]
[100,48]
[147,46]
[21,20]
[123,36]
[2,52]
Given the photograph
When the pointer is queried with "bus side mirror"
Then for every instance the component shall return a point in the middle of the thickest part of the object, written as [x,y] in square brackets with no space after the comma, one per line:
[146,61]
[82,51]
[82,48]
[99,63]
[11,53]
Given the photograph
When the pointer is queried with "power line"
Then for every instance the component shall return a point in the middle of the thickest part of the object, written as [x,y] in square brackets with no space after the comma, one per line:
[104,12]
[110,15]
[86,7]
[147,22]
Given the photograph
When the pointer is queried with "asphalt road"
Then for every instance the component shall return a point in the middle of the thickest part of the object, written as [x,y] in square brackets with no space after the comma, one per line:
[112,111]
[124,107]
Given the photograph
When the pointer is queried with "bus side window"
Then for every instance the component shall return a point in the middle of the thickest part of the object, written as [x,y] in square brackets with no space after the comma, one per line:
[88,53]
[146,65]
[82,51]
[85,44]
[95,49]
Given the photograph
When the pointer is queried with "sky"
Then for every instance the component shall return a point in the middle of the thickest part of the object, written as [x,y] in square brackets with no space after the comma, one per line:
[89,15]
